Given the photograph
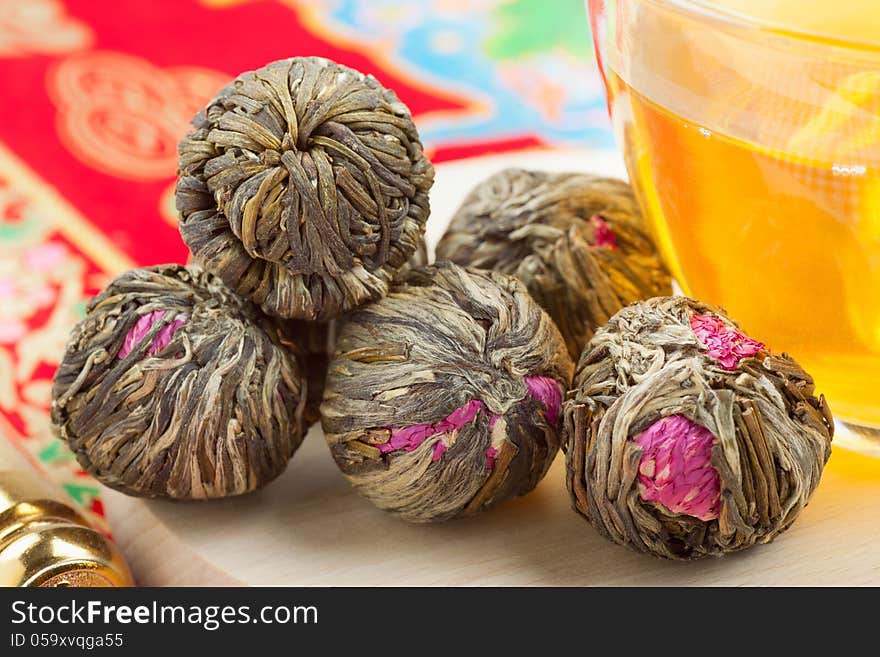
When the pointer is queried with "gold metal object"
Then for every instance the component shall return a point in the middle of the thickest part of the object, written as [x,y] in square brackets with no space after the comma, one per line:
[44,542]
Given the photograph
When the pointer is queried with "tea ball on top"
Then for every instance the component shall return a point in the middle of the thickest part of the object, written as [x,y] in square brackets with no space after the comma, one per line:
[304,187]
[443,398]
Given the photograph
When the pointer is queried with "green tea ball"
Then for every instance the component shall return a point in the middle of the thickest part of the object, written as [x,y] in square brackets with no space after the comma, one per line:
[684,437]
[444,397]
[172,386]
[304,187]
[577,241]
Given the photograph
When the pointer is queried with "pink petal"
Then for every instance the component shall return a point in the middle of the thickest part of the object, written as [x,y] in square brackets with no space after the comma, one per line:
[409,438]
[439,450]
[723,342]
[603,236]
[143,326]
[675,469]
[548,392]
[464,414]
[542,388]
[491,455]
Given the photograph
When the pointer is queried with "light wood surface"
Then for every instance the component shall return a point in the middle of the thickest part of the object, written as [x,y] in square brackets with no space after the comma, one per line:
[310,528]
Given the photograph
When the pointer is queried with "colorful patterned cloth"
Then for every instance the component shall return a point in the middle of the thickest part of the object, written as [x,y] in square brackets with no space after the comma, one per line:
[97,94]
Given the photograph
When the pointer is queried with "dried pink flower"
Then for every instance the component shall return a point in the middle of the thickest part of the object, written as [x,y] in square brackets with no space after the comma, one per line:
[723,342]
[547,391]
[541,388]
[675,468]
[603,236]
[142,327]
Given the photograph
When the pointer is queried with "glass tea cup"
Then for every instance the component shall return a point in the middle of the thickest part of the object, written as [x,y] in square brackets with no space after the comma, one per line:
[754,148]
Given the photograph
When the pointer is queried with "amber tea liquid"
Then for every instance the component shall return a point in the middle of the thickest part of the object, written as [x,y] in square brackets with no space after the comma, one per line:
[788,241]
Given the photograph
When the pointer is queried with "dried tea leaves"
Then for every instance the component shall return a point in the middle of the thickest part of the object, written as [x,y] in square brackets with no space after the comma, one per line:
[577,241]
[444,397]
[686,438]
[172,386]
[304,187]
[316,341]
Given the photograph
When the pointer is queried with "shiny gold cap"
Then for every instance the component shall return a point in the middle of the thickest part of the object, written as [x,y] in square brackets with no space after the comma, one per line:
[44,542]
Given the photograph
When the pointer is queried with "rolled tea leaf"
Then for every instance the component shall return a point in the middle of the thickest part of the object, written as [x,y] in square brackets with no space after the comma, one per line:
[304,187]
[685,438]
[317,343]
[577,241]
[172,386]
[443,398]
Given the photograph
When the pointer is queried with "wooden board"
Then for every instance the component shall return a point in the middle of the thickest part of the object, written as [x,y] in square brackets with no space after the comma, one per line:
[310,528]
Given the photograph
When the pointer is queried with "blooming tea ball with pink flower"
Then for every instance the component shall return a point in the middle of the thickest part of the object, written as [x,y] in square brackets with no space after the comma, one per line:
[684,437]
[444,398]
[172,386]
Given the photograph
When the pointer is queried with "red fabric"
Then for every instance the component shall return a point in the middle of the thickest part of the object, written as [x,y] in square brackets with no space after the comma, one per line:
[158,36]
